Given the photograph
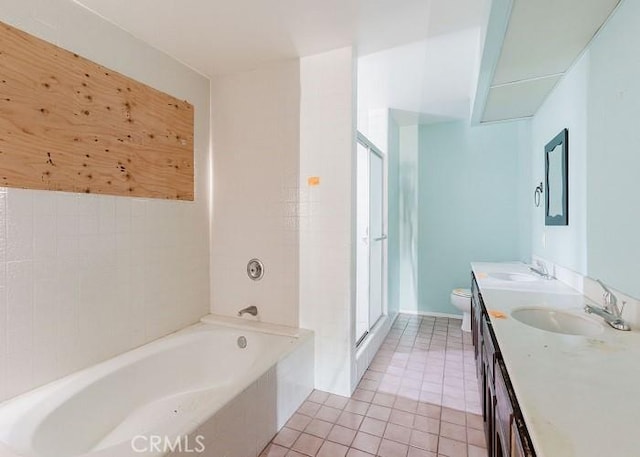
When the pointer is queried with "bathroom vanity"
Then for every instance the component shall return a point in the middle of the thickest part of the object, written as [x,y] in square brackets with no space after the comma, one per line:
[505,429]
[555,381]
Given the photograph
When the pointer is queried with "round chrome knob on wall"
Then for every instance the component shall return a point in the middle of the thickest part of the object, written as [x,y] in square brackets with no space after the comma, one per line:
[255,269]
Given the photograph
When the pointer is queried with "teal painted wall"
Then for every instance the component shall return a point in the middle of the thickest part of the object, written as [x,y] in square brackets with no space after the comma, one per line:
[613,158]
[597,100]
[565,107]
[393,229]
[473,186]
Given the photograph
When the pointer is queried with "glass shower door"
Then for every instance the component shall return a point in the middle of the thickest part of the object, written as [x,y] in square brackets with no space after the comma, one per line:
[376,231]
[362,248]
[370,252]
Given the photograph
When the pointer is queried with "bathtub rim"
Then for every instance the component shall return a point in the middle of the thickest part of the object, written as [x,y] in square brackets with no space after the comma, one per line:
[256,325]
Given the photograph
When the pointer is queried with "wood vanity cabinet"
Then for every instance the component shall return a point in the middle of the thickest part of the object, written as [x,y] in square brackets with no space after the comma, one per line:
[503,414]
[505,430]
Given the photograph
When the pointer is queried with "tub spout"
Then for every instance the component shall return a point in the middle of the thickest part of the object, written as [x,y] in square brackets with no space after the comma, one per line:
[253,310]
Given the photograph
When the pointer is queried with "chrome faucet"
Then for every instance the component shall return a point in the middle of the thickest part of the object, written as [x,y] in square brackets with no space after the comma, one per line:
[541,270]
[611,314]
[253,310]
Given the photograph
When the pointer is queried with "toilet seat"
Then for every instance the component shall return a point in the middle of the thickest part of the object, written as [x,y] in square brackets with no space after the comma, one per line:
[466,293]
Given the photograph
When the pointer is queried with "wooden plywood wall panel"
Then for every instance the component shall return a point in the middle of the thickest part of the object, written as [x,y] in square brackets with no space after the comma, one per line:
[69,124]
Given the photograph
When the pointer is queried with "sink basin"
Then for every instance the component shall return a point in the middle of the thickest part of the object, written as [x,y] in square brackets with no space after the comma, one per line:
[516,277]
[556,321]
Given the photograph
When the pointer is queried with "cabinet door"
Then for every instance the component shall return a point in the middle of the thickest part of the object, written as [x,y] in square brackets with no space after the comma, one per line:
[488,401]
[476,318]
[503,414]
[489,345]
[475,315]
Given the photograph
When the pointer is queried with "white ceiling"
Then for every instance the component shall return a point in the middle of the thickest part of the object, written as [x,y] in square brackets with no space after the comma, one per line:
[542,40]
[424,82]
[225,36]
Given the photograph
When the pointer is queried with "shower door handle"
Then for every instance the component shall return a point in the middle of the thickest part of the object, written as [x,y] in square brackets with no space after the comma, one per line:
[380,238]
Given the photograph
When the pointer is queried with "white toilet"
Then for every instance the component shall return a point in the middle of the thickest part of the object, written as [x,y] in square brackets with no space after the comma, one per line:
[461,299]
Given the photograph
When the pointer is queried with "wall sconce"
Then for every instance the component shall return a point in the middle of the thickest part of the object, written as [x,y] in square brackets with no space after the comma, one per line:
[538,194]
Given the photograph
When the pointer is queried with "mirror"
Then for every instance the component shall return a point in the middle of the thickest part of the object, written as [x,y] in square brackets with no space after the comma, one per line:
[556,172]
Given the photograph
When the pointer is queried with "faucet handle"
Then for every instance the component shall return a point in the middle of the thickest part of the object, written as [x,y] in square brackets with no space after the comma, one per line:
[542,266]
[609,297]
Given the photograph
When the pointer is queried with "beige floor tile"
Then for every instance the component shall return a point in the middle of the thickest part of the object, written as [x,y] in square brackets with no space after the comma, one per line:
[453,431]
[366,442]
[326,413]
[405,404]
[329,449]
[286,437]
[397,433]
[429,410]
[423,440]
[433,387]
[318,428]
[383,399]
[363,395]
[357,407]
[451,448]
[476,437]
[307,444]
[358,453]
[475,451]
[430,397]
[318,396]
[427,424]
[336,401]
[401,418]
[350,420]
[368,384]
[309,408]
[274,450]
[453,416]
[373,426]
[379,412]
[299,421]
[475,421]
[392,449]
[292,453]
[342,435]
[417,452]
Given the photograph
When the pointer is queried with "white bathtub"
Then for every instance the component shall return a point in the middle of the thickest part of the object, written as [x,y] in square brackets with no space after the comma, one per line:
[196,386]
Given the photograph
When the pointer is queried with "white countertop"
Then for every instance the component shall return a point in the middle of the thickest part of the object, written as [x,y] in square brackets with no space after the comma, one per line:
[579,395]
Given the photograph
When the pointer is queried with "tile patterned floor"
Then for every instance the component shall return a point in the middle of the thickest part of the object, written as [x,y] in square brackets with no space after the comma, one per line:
[419,398]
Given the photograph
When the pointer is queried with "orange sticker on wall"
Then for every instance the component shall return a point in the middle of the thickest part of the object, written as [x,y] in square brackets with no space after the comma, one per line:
[313,180]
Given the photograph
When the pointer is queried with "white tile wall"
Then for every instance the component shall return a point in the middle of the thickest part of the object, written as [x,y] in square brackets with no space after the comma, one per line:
[85,277]
[327,268]
[255,210]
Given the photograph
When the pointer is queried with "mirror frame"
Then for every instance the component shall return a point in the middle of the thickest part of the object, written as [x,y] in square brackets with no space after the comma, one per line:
[561,139]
